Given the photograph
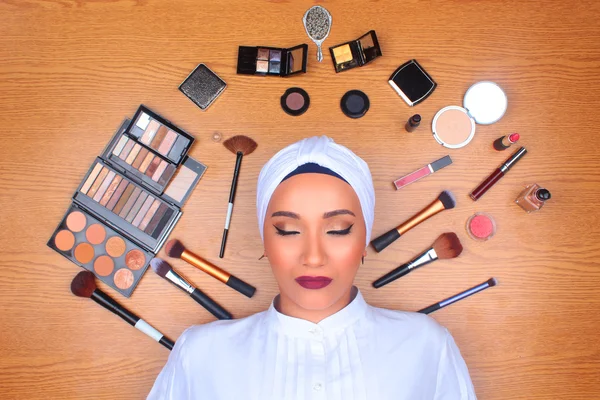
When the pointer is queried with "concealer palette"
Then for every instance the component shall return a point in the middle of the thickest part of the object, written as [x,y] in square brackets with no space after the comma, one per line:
[117,221]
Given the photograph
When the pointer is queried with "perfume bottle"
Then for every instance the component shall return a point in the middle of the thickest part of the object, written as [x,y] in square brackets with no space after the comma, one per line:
[533,198]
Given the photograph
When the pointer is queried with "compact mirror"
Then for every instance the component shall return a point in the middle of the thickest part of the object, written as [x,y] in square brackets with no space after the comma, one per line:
[317,22]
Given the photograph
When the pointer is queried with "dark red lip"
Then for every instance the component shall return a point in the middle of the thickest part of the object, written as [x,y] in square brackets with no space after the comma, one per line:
[313,282]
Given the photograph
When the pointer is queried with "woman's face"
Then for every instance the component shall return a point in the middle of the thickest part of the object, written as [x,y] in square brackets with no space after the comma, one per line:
[314,236]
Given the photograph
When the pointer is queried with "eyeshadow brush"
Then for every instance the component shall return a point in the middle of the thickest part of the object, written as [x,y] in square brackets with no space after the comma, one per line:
[446,246]
[445,201]
[176,249]
[84,285]
[457,297]
[164,270]
[240,146]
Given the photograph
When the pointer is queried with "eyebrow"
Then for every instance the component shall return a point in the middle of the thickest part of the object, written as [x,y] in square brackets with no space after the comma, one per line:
[328,214]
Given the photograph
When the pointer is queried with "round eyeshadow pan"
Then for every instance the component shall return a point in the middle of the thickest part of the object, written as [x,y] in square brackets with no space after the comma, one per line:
[95,234]
[76,221]
[135,259]
[355,104]
[104,265]
[481,227]
[115,246]
[64,240]
[84,253]
[123,279]
[295,101]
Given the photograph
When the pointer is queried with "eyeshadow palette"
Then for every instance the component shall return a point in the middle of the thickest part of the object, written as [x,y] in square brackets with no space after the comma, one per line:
[114,209]
[150,149]
[94,246]
[355,53]
[272,60]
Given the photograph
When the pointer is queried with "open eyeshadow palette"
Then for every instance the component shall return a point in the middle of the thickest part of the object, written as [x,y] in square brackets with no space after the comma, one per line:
[272,60]
[129,201]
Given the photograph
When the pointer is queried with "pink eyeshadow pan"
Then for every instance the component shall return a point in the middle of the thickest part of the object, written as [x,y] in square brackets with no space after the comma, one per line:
[159,171]
[167,143]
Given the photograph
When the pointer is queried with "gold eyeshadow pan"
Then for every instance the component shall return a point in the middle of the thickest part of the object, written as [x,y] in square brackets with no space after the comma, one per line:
[121,215]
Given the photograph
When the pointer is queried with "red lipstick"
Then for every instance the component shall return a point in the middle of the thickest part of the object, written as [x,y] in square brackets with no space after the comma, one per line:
[313,282]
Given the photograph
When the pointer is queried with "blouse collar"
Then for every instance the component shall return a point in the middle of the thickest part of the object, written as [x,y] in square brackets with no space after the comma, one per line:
[338,321]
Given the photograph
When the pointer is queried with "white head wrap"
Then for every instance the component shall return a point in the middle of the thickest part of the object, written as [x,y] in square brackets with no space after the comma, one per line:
[321,150]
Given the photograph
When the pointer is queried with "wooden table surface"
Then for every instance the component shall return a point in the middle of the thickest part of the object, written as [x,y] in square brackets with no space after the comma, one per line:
[71,70]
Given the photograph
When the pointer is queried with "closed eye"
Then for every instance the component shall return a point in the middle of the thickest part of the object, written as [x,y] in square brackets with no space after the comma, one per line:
[341,232]
[281,232]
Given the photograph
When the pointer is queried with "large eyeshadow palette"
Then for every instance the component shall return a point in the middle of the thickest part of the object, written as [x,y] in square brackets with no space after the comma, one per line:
[272,60]
[117,222]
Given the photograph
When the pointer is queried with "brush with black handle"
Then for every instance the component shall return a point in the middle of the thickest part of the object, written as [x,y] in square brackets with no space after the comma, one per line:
[445,201]
[457,297]
[84,285]
[446,246]
[240,146]
[164,270]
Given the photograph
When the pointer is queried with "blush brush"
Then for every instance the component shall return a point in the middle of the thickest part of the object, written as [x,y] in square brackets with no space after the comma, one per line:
[446,246]
[445,201]
[241,146]
[84,285]
[164,270]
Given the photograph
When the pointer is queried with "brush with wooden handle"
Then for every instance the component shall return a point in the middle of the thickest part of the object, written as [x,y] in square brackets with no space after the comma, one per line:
[446,246]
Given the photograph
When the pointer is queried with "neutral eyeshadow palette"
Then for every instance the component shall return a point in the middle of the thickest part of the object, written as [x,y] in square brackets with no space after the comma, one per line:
[117,221]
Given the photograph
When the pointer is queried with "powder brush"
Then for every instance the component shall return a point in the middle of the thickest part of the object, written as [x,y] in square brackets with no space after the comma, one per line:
[241,146]
[84,285]
[446,246]
[164,270]
[176,249]
[445,201]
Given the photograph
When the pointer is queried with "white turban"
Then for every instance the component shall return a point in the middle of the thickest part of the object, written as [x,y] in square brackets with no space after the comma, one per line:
[326,153]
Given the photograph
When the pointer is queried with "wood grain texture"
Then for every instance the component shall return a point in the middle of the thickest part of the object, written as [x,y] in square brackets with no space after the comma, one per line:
[71,70]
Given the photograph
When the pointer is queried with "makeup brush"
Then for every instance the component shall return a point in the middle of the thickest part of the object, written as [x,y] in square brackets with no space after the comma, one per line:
[457,297]
[445,201]
[240,146]
[164,270]
[84,285]
[446,246]
[176,249]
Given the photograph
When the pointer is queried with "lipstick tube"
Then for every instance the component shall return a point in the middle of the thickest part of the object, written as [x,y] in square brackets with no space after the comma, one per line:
[497,174]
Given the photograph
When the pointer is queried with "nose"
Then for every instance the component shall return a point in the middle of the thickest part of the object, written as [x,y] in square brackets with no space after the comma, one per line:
[314,252]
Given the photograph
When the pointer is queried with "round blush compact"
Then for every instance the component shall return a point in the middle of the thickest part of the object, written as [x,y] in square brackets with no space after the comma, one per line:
[484,103]
[295,101]
[481,226]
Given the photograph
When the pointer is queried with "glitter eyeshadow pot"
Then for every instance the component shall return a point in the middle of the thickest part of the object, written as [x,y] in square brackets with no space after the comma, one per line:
[295,101]
[484,103]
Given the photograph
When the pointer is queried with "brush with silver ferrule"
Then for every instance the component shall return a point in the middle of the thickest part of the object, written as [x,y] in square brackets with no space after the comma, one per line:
[462,295]
[446,246]
[84,285]
[164,270]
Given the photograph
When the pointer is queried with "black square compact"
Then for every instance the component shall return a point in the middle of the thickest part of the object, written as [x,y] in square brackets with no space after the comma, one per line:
[202,86]
[412,83]
[355,53]
[272,61]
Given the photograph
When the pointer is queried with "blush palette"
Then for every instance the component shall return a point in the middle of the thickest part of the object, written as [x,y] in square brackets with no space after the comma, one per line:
[118,221]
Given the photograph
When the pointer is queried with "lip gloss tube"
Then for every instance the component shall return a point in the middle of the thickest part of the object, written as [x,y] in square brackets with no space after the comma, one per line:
[497,174]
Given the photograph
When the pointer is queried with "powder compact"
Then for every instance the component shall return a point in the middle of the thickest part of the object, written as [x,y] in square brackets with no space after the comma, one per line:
[355,103]
[355,53]
[412,82]
[295,101]
[481,227]
[272,60]
[119,220]
[484,103]
[202,86]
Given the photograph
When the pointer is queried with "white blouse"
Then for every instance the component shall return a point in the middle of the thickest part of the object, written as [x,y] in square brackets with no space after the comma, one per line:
[360,352]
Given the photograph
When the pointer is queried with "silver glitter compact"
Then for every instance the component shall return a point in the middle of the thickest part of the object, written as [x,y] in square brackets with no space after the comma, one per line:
[202,86]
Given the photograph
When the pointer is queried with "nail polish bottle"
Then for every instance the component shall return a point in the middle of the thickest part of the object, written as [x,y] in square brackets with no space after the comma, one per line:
[533,198]
[413,123]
